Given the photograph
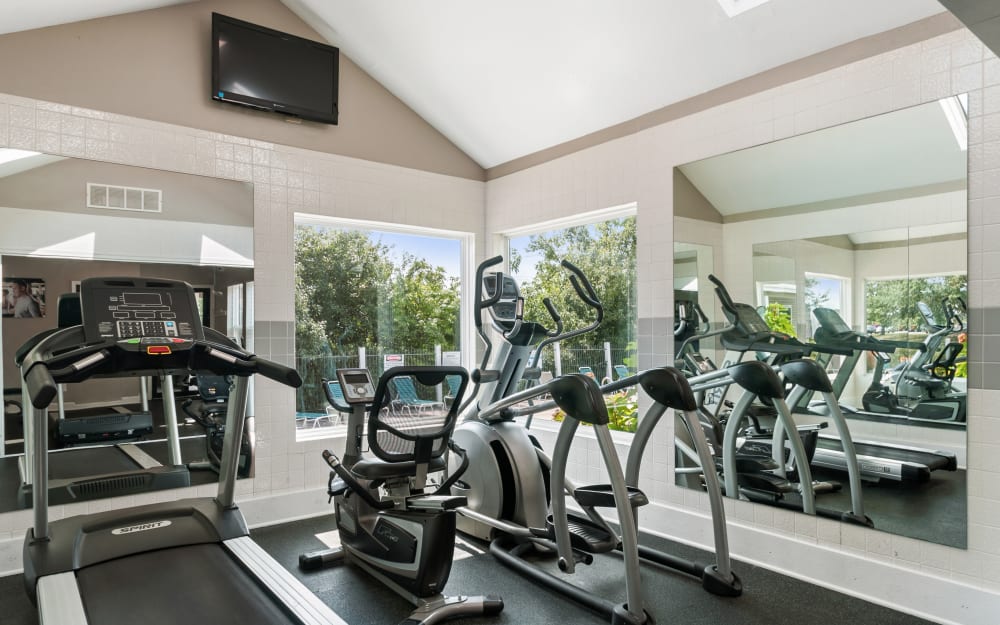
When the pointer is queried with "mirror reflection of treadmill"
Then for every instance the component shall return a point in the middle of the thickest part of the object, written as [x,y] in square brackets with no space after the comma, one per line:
[878,460]
[87,468]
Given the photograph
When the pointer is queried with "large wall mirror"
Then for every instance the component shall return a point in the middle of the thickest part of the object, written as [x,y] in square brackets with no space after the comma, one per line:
[853,237]
[65,220]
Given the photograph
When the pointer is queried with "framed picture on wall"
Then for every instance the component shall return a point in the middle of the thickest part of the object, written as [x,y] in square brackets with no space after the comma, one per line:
[23,297]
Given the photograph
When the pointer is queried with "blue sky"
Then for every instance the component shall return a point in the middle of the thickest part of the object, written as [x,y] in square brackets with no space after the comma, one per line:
[529,260]
[437,251]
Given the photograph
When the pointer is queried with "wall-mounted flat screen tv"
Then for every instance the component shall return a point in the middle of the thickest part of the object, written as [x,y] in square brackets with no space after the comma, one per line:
[274,71]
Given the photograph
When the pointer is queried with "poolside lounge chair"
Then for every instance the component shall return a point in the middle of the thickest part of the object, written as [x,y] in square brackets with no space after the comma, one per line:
[406,395]
[621,371]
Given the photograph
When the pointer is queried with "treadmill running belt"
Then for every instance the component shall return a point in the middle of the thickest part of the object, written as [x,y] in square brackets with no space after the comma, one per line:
[930,460]
[83,461]
[191,585]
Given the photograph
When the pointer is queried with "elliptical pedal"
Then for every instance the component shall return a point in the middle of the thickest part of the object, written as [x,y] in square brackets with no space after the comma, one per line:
[585,535]
[601,496]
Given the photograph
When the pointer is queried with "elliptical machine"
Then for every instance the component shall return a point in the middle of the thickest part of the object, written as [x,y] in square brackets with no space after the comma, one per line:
[388,525]
[924,387]
[517,493]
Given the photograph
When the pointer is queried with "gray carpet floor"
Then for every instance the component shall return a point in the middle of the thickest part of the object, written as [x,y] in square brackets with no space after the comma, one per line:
[768,598]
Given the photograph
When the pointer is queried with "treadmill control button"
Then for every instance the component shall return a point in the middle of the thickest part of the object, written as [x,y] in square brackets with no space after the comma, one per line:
[156,350]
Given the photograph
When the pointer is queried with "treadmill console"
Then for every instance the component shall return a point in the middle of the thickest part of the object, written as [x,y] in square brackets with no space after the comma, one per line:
[831,321]
[356,385]
[928,315]
[748,320]
[150,315]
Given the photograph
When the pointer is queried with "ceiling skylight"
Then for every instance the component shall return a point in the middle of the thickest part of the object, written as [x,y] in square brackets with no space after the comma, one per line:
[955,111]
[735,7]
[9,155]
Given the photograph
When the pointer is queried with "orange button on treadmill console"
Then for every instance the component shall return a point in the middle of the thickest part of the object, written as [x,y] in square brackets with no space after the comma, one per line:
[156,350]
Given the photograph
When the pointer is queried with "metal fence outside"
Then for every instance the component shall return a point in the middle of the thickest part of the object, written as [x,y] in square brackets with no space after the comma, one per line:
[310,398]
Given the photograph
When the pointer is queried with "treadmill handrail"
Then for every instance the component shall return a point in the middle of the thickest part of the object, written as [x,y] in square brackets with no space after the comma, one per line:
[856,340]
[63,356]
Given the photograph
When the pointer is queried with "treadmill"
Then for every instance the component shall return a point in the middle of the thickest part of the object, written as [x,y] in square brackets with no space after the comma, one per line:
[879,461]
[161,564]
[85,473]
[95,425]
[876,460]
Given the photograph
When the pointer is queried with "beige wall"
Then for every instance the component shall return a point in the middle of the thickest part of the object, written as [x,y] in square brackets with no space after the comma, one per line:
[62,186]
[157,65]
[690,203]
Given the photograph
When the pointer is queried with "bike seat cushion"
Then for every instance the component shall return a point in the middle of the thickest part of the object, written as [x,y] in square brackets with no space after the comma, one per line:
[375,469]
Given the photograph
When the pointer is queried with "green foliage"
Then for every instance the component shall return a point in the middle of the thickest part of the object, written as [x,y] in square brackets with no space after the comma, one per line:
[962,368]
[632,360]
[778,319]
[605,252]
[425,307]
[350,293]
[623,411]
[893,303]
[340,276]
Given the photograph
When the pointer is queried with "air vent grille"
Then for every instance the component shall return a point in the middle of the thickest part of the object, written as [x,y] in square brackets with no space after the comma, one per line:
[107,486]
[116,197]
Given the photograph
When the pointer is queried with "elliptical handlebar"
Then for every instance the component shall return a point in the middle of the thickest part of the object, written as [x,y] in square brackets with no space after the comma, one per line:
[480,274]
[549,306]
[957,325]
[518,313]
[589,297]
[701,313]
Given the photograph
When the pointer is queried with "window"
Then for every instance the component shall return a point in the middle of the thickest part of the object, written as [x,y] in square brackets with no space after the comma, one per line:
[372,295]
[826,291]
[893,310]
[603,247]
[776,304]
[234,311]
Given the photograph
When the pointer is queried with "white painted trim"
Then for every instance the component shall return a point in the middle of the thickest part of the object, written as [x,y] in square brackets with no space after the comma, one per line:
[577,219]
[311,219]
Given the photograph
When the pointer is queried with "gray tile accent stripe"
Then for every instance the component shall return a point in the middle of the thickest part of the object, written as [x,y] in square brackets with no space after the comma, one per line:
[655,344]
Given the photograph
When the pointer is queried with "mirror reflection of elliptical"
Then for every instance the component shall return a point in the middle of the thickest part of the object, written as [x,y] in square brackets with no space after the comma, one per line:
[853,236]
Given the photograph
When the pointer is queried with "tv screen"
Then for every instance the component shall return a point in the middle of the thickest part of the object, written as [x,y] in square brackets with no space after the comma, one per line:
[274,71]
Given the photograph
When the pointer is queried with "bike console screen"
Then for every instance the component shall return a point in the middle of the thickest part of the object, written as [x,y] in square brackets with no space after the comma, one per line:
[139,310]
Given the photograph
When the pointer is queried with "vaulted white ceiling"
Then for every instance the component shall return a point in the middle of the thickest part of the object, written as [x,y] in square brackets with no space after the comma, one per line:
[506,79]
[905,149]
